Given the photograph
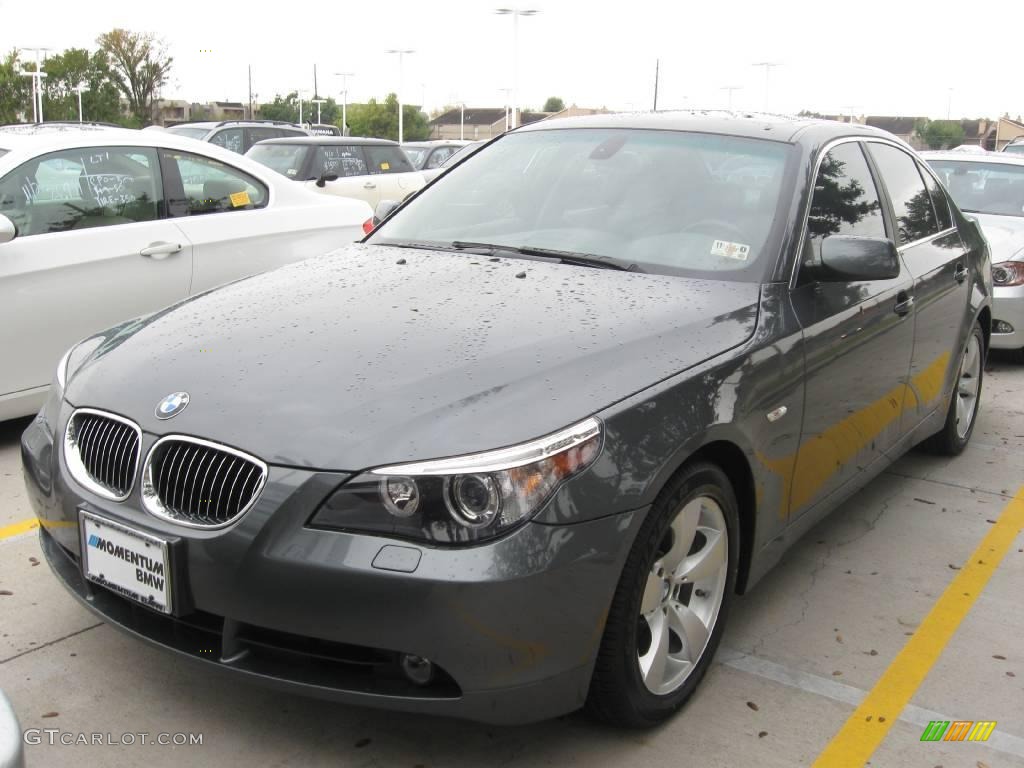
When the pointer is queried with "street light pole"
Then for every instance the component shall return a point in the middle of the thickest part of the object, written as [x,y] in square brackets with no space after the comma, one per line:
[730,89]
[318,102]
[78,89]
[515,13]
[768,65]
[401,54]
[462,121]
[344,100]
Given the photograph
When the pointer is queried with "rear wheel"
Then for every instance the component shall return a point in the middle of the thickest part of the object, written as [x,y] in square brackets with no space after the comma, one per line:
[669,608]
[963,407]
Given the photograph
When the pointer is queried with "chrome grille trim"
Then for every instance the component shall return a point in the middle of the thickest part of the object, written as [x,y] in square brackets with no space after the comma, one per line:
[180,470]
[102,452]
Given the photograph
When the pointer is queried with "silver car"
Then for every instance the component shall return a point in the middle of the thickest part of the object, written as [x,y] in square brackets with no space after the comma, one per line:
[990,189]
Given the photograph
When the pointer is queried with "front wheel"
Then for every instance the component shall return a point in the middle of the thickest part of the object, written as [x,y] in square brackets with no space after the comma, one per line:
[669,608]
[963,407]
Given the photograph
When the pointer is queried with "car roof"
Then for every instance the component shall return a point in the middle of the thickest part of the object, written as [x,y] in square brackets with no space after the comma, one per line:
[759,125]
[989,158]
[351,140]
[436,143]
[234,123]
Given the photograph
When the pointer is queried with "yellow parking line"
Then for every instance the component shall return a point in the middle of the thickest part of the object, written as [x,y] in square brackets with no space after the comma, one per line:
[15,528]
[864,731]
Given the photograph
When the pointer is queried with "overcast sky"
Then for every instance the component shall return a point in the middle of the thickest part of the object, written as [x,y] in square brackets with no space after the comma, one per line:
[888,58]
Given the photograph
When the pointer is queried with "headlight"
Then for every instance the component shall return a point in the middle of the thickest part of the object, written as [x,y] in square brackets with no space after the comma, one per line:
[1008,273]
[465,499]
[62,370]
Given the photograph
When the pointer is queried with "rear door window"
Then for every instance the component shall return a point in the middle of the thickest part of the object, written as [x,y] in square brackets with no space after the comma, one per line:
[939,201]
[911,203]
[387,159]
[210,186]
[230,139]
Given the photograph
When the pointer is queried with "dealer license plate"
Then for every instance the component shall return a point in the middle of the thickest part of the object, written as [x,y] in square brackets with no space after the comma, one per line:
[129,562]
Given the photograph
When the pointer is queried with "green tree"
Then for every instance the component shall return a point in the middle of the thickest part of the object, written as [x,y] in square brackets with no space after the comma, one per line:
[553,104]
[939,134]
[281,108]
[15,90]
[75,66]
[140,66]
[380,120]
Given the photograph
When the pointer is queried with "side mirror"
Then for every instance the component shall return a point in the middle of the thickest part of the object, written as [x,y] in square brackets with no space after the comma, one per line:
[7,230]
[384,209]
[846,257]
[324,178]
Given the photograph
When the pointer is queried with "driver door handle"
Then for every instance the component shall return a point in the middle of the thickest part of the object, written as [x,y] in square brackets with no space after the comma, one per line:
[904,304]
[961,273]
[160,250]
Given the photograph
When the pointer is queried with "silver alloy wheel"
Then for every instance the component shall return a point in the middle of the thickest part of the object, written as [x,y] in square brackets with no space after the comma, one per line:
[683,595]
[967,386]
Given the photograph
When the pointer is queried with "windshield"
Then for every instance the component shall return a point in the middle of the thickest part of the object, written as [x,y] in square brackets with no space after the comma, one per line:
[415,155]
[996,188]
[1014,149]
[190,131]
[287,159]
[667,201]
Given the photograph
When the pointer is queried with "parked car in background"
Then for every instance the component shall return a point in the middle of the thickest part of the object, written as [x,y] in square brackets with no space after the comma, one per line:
[456,157]
[1015,147]
[344,166]
[237,135]
[990,189]
[427,155]
[516,452]
[99,226]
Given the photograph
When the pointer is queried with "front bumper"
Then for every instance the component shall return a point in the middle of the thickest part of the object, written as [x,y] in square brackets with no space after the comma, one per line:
[514,625]
[1008,306]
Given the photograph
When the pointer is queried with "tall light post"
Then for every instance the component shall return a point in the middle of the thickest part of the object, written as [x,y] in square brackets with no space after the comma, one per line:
[515,13]
[298,95]
[344,99]
[506,92]
[768,66]
[79,89]
[730,89]
[37,84]
[462,121]
[318,102]
[401,55]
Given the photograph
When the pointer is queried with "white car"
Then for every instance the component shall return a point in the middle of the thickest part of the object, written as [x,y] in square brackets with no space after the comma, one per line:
[344,166]
[990,189]
[101,226]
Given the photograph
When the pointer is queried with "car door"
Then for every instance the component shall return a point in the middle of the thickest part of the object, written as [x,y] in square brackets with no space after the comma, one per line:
[93,249]
[937,260]
[347,162]
[222,211]
[858,337]
[392,171]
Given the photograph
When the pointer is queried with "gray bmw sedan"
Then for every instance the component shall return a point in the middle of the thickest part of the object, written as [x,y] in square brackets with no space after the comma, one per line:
[515,453]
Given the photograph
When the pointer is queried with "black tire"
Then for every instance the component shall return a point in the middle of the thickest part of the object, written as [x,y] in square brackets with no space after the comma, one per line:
[617,694]
[947,441]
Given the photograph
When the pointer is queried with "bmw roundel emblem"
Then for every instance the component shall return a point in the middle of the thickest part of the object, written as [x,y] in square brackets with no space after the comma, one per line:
[172,405]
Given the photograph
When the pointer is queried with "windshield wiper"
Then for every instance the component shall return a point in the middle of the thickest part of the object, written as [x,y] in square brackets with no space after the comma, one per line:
[565,257]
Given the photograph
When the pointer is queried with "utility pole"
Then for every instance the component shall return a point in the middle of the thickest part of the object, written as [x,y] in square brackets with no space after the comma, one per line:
[316,92]
[462,121]
[251,115]
[730,89]
[515,13]
[657,68]
[318,102]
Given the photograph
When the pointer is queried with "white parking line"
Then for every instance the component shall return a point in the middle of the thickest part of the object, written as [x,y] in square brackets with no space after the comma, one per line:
[848,694]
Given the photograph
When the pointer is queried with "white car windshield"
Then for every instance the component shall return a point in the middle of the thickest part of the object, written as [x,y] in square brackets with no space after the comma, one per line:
[996,188]
[665,201]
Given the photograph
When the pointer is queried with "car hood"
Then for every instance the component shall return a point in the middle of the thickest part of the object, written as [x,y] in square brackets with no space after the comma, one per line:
[1005,235]
[375,355]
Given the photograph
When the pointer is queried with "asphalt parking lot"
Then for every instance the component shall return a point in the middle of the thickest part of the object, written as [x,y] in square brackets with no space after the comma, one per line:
[821,632]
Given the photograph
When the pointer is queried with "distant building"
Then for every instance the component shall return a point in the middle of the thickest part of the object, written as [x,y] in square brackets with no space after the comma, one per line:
[488,122]
[173,111]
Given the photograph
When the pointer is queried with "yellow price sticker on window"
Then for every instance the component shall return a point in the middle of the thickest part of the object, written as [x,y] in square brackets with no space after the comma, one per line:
[385,166]
[238,199]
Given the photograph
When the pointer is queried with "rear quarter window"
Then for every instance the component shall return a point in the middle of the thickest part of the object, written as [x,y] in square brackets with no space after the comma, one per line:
[387,160]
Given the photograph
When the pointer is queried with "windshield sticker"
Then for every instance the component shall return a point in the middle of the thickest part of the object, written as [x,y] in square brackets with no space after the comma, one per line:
[737,251]
[239,199]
